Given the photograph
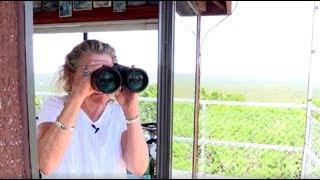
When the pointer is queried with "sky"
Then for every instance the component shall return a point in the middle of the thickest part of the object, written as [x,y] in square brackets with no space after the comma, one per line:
[260,39]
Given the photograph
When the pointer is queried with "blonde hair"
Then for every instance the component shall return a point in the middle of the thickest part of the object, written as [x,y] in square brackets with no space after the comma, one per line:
[73,58]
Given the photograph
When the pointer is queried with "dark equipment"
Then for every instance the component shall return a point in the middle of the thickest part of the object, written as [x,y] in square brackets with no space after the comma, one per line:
[109,79]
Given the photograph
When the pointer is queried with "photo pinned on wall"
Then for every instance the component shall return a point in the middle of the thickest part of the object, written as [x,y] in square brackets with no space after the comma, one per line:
[37,6]
[136,3]
[82,5]
[65,8]
[119,6]
[100,4]
[152,2]
[50,6]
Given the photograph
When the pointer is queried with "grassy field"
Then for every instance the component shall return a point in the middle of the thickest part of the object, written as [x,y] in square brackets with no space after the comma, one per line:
[239,162]
[262,125]
[243,124]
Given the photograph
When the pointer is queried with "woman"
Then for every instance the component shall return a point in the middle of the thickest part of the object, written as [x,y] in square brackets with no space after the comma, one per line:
[85,134]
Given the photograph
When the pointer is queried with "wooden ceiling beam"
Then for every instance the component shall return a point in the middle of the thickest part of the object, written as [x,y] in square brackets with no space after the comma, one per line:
[200,5]
[204,8]
[229,7]
[220,4]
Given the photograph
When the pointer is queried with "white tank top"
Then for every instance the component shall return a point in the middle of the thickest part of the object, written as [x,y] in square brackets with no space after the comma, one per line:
[92,153]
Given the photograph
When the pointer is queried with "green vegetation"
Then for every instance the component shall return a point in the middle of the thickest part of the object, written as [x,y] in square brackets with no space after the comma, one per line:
[244,124]
[149,109]
[239,162]
[216,95]
[38,101]
[316,101]
[262,125]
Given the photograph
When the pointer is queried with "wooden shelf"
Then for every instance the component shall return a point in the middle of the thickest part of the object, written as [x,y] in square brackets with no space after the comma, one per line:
[146,11]
[98,14]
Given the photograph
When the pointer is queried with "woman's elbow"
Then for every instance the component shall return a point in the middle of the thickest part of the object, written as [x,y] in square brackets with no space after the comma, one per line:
[45,170]
[46,166]
[140,169]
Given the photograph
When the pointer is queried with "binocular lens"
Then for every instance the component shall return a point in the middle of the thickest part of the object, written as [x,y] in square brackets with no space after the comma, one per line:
[137,81]
[109,81]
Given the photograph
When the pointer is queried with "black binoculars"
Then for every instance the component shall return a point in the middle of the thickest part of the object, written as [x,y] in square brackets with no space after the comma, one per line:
[109,79]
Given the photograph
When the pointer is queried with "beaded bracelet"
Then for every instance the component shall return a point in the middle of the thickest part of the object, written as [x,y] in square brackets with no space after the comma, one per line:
[63,126]
[134,120]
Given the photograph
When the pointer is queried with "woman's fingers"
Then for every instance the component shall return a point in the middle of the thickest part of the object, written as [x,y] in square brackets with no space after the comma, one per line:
[92,68]
[104,63]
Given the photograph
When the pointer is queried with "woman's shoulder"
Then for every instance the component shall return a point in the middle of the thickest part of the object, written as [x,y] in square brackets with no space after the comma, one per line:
[50,109]
[55,101]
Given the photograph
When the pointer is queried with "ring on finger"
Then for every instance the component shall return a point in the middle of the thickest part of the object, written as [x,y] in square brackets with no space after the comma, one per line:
[85,71]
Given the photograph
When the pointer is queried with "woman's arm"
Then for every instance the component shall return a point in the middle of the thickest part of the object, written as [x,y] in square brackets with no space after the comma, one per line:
[135,149]
[134,146]
[52,140]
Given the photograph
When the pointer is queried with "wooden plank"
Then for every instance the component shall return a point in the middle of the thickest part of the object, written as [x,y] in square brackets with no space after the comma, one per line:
[200,5]
[220,4]
[98,14]
[183,8]
[216,8]
[229,7]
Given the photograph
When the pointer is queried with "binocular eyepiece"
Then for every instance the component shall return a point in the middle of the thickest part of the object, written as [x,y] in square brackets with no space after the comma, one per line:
[109,79]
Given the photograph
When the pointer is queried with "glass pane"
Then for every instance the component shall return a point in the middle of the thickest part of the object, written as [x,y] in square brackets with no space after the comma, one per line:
[137,48]
[49,51]
[183,107]
[254,78]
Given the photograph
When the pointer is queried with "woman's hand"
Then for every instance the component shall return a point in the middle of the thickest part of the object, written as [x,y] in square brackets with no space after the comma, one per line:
[129,102]
[81,79]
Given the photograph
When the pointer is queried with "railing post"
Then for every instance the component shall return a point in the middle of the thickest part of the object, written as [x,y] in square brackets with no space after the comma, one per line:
[195,163]
[308,128]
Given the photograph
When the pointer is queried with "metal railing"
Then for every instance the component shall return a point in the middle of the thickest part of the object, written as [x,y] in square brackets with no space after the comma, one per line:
[205,141]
